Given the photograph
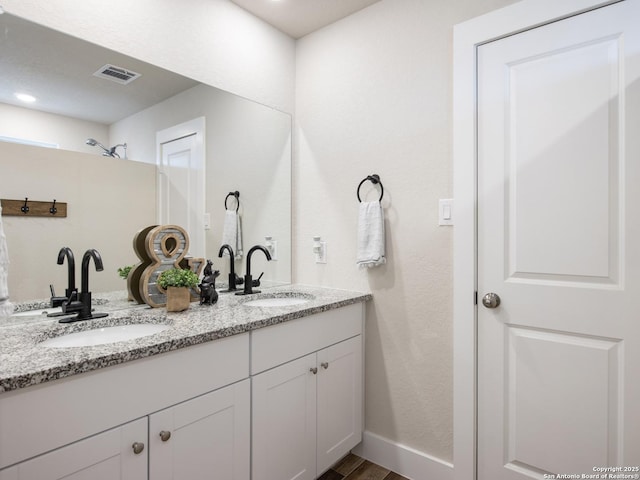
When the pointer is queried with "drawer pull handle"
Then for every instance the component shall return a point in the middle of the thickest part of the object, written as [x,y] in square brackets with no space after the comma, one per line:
[313,370]
[165,435]
[138,447]
[324,365]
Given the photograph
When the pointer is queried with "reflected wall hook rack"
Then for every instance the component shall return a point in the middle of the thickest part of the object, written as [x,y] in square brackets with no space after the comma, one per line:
[375,179]
[32,208]
[236,195]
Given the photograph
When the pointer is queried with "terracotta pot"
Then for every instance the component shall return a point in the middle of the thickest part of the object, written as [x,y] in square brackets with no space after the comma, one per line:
[178,299]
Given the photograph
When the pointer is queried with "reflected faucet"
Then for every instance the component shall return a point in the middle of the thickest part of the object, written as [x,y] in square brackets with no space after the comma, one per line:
[71,292]
[83,306]
[232,272]
[248,281]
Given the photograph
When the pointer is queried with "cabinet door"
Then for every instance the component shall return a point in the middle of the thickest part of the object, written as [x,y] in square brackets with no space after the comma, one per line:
[284,421]
[106,456]
[339,401]
[207,437]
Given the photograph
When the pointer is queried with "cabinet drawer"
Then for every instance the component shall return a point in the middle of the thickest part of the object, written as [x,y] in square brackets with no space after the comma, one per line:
[277,344]
[47,416]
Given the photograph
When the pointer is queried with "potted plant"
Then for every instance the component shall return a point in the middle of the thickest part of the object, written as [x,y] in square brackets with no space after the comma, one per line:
[124,271]
[177,282]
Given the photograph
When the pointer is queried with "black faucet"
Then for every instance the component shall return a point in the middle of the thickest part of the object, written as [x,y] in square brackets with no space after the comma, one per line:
[248,282]
[232,272]
[83,306]
[71,293]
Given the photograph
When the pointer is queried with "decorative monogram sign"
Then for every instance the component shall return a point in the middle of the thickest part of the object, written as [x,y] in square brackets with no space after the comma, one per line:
[159,248]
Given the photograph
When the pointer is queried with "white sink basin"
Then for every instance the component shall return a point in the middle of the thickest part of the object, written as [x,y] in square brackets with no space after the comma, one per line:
[276,302]
[101,336]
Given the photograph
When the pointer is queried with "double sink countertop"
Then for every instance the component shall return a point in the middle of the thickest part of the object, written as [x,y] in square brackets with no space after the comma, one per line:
[24,362]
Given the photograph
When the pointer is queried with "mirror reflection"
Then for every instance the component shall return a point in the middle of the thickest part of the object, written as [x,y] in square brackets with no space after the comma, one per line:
[188,145]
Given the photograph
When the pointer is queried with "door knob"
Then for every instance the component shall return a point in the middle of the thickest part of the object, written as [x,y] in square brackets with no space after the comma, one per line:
[165,435]
[491,300]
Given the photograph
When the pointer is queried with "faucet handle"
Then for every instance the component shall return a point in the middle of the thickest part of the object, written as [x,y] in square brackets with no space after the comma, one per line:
[56,301]
[256,282]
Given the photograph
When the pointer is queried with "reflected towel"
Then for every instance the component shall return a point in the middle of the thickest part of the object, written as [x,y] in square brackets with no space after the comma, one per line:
[6,308]
[232,233]
[370,248]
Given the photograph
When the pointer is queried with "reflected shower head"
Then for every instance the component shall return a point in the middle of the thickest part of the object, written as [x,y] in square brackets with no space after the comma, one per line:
[108,152]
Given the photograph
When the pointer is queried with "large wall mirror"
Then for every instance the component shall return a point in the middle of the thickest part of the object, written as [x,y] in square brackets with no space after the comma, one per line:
[44,154]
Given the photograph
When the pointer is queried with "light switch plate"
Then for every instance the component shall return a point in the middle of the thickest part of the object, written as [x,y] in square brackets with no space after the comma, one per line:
[445,211]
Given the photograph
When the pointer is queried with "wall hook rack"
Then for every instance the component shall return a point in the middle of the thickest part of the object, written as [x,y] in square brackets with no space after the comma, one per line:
[32,208]
[375,179]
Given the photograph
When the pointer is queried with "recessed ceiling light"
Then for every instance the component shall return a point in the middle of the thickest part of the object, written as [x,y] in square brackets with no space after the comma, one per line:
[25,97]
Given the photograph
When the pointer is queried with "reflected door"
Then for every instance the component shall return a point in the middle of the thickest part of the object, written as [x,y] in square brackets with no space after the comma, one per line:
[181,182]
[559,243]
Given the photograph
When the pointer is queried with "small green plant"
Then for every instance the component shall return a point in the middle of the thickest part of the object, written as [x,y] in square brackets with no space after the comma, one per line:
[177,277]
[124,271]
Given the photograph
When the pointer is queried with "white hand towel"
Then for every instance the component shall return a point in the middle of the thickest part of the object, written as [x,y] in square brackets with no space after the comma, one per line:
[6,308]
[232,233]
[370,249]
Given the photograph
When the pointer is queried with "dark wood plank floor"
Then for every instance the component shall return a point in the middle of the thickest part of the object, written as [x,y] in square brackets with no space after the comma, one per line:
[353,467]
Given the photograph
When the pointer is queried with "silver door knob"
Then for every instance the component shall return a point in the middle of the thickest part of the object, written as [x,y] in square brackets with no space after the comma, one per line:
[165,435]
[491,300]
[313,370]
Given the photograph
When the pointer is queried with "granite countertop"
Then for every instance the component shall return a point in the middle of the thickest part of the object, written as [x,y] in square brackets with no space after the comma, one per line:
[23,362]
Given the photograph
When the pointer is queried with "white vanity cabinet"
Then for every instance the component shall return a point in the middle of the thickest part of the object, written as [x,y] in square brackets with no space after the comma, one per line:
[106,456]
[207,437]
[85,426]
[307,401]
[279,402]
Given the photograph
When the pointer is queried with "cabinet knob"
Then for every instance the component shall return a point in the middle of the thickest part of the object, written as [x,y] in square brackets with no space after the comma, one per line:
[324,365]
[138,447]
[165,435]
[313,370]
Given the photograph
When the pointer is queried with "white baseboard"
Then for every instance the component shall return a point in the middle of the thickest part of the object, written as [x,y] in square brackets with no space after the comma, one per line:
[403,460]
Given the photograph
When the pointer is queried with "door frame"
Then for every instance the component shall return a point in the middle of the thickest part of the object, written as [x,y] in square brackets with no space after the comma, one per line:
[468,36]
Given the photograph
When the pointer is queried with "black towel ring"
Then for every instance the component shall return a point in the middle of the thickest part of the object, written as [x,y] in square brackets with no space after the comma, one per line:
[375,179]
[236,195]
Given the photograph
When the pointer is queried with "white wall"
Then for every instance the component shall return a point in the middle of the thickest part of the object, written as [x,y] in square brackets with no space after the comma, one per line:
[68,133]
[212,41]
[373,95]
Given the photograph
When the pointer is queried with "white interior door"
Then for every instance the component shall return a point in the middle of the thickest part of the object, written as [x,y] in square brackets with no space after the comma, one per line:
[559,242]
[181,181]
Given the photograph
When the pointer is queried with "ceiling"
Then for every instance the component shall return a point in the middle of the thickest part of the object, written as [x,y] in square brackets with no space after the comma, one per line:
[58,70]
[298,18]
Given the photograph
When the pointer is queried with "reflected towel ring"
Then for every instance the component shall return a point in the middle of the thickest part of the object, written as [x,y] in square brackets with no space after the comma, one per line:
[236,195]
[375,179]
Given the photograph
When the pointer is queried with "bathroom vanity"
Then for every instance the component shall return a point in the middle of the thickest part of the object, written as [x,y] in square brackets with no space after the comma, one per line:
[259,392]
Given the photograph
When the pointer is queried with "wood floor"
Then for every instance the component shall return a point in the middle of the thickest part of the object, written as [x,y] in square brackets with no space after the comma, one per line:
[353,467]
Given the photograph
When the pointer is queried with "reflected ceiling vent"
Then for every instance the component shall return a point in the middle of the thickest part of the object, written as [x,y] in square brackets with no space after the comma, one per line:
[117,74]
